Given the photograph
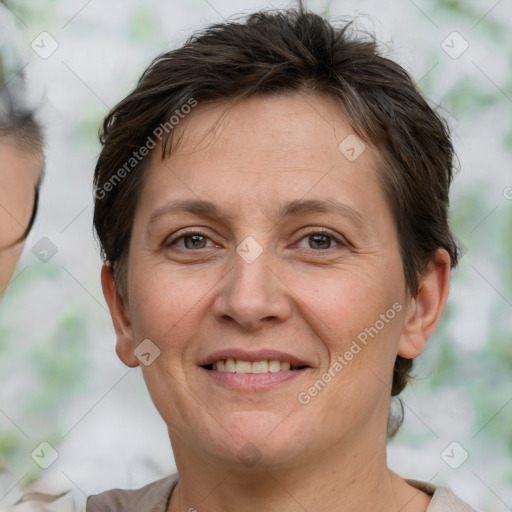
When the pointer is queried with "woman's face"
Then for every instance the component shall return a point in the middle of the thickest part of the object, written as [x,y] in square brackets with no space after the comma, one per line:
[238,252]
[19,174]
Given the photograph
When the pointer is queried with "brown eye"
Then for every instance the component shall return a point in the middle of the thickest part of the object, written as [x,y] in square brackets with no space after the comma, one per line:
[321,241]
[191,240]
[195,241]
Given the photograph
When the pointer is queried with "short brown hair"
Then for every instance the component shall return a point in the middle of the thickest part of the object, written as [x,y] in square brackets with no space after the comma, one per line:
[279,51]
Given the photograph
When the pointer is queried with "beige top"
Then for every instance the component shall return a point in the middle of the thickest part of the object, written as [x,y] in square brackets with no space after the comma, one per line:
[155,497]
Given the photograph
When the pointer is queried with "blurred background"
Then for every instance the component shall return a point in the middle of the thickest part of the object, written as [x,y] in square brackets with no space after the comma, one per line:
[60,380]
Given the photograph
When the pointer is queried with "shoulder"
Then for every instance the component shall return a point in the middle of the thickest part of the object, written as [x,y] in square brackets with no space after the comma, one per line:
[153,497]
[443,500]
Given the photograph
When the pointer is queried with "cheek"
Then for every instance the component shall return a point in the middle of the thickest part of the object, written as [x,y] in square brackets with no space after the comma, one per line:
[15,214]
[165,305]
[359,318]
[8,259]
[360,321]
[165,309]
[17,200]
[352,299]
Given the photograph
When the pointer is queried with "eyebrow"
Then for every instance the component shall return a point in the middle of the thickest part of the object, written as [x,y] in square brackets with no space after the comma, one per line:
[329,205]
[295,208]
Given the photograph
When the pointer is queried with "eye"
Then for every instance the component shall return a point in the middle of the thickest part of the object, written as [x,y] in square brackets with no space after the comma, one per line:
[318,240]
[321,240]
[191,240]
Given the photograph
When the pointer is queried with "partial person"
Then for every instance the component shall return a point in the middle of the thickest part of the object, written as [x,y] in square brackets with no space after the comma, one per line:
[21,172]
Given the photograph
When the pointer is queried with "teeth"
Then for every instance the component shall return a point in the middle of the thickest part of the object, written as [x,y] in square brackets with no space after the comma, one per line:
[259,367]
[228,367]
[243,366]
[274,366]
[240,366]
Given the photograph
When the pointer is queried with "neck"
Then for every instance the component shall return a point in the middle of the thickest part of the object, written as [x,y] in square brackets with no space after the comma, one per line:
[339,479]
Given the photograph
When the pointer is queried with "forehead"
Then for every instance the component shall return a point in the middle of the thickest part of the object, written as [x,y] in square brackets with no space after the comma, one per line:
[305,123]
[274,141]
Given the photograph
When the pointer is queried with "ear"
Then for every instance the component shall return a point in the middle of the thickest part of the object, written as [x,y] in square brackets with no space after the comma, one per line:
[425,309]
[125,344]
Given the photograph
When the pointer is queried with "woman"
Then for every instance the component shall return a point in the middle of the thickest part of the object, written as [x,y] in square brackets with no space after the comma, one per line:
[271,201]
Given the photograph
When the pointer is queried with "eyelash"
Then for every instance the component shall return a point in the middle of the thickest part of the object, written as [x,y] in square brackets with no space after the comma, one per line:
[319,231]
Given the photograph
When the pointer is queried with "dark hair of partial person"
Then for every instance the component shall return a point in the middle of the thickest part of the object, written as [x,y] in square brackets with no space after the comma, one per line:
[276,52]
[18,123]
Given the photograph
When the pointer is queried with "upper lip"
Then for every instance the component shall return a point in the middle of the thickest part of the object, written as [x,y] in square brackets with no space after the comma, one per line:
[252,356]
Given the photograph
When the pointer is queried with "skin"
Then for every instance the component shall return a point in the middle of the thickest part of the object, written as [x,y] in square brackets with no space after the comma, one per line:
[19,172]
[301,297]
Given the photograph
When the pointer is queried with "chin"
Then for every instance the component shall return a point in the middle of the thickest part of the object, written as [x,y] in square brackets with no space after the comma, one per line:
[261,438]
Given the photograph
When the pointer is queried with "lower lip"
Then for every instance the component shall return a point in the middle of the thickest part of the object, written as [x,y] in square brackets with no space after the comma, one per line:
[253,381]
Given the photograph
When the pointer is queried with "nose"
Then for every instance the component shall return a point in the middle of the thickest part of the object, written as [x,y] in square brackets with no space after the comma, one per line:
[252,295]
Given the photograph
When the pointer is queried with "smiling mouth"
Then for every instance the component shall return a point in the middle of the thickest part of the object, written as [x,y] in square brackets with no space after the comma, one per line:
[241,366]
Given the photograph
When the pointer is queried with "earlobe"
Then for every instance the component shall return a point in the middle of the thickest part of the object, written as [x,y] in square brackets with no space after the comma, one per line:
[125,344]
[424,311]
